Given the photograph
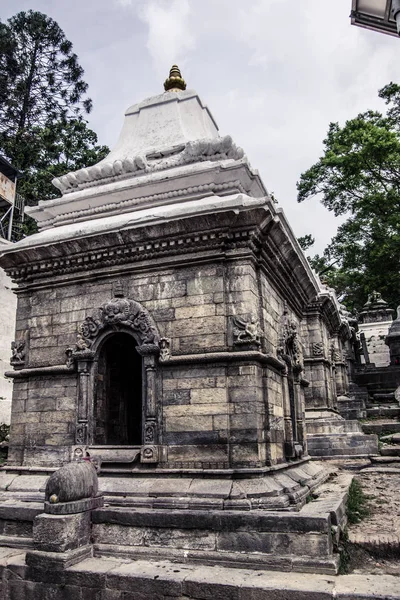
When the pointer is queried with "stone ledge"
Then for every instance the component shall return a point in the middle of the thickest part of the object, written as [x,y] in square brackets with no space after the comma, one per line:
[153,580]
[217,520]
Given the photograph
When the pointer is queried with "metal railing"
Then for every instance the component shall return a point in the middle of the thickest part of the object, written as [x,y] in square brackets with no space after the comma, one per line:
[12,219]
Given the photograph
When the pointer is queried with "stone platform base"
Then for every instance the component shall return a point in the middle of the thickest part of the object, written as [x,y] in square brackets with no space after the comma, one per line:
[277,488]
[253,539]
[208,521]
[116,579]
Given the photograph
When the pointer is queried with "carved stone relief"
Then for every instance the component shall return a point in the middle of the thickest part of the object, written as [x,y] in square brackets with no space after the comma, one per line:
[317,349]
[18,353]
[220,148]
[149,454]
[165,350]
[290,345]
[334,354]
[150,433]
[81,433]
[246,331]
[117,311]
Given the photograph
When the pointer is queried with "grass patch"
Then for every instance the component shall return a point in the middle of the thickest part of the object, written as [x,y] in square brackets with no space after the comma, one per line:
[344,556]
[356,508]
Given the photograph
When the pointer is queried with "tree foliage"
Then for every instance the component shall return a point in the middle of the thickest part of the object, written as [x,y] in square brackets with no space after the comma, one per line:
[306,241]
[42,104]
[359,176]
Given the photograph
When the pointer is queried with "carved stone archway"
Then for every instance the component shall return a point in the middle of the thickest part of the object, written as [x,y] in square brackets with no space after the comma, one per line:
[123,315]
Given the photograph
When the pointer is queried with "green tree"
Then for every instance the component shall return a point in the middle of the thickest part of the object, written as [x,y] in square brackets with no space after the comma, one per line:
[42,104]
[64,147]
[359,176]
[306,241]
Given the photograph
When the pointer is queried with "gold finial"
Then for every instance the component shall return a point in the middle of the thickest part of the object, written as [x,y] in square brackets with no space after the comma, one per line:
[175,81]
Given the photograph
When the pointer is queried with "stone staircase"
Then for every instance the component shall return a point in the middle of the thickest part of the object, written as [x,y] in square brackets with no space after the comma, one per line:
[329,435]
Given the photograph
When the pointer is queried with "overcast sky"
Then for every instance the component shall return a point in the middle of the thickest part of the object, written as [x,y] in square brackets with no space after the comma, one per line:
[273,72]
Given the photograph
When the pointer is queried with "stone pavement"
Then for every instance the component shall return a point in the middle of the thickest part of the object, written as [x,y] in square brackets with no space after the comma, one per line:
[110,579]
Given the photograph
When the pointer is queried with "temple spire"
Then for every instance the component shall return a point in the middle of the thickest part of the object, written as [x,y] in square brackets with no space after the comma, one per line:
[175,81]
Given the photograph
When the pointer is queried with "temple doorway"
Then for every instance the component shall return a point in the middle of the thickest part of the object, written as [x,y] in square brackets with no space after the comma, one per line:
[118,404]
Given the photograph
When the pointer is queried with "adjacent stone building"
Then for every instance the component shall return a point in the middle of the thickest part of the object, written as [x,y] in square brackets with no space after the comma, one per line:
[374,322]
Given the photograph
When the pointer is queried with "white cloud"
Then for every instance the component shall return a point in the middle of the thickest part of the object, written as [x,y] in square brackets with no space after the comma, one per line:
[169,32]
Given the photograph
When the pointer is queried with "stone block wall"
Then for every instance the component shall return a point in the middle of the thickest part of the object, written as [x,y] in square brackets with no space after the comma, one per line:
[210,415]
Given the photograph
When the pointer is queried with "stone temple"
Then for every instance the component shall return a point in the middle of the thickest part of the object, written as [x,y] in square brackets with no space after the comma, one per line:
[171,329]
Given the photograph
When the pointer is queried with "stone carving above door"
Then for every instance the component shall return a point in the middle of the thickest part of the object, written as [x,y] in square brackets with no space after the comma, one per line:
[115,313]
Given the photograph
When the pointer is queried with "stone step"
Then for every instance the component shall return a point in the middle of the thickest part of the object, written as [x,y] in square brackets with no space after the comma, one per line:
[381,427]
[253,539]
[150,580]
[347,444]
[384,460]
[379,545]
[383,411]
[10,541]
[384,397]
[392,438]
[393,450]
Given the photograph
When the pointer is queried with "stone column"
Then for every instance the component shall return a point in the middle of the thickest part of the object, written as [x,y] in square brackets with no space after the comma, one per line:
[84,362]
[150,449]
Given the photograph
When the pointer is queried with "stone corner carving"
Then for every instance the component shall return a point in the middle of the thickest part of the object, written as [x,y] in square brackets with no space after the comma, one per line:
[246,332]
[165,350]
[149,454]
[18,353]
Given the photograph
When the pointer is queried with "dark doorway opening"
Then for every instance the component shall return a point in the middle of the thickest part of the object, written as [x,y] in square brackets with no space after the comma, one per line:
[118,405]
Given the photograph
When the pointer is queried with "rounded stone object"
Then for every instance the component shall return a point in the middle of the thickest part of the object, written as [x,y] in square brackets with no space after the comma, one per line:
[74,481]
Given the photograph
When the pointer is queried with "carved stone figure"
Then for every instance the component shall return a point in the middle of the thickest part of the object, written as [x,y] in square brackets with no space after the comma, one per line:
[149,433]
[290,345]
[165,352]
[246,332]
[334,354]
[74,481]
[18,353]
